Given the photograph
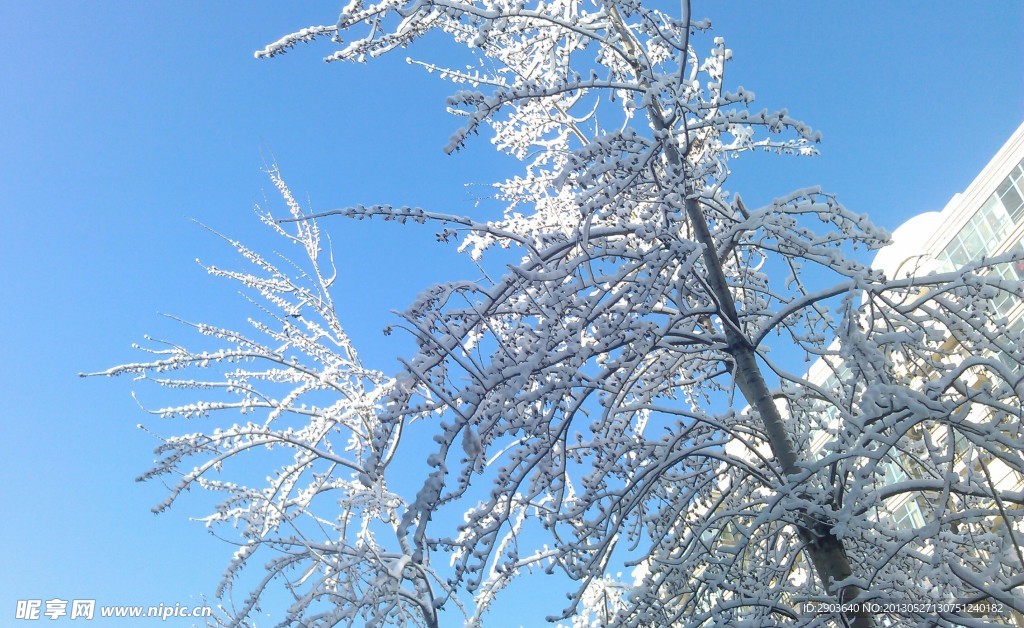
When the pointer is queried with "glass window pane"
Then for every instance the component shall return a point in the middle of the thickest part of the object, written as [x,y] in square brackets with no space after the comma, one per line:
[1013,203]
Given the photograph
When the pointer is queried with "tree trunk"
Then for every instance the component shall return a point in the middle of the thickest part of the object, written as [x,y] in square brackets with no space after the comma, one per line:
[826,551]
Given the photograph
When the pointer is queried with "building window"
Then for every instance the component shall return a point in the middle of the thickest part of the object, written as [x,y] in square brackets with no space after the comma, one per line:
[980,236]
[1010,193]
[1019,265]
[908,516]
[894,473]
[1004,302]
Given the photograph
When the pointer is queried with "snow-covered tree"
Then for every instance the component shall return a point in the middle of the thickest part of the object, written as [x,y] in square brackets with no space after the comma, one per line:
[608,403]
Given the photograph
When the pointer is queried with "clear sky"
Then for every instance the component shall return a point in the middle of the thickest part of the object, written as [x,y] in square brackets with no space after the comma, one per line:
[121,121]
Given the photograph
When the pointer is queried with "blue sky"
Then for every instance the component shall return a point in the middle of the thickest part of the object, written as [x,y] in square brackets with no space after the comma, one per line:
[121,121]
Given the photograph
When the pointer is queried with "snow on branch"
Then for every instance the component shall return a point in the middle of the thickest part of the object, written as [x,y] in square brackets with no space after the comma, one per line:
[690,410]
[319,507]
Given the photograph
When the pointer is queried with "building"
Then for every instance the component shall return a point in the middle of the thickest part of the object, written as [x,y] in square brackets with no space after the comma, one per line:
[983,221]
[898,508]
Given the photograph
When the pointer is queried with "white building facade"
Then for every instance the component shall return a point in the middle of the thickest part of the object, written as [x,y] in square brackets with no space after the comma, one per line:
[984,221]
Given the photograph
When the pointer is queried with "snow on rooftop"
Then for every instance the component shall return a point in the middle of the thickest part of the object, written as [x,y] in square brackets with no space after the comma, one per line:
[906,254]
